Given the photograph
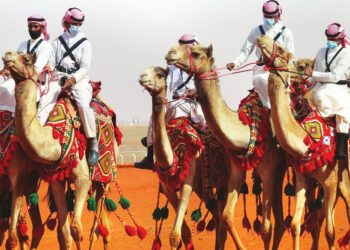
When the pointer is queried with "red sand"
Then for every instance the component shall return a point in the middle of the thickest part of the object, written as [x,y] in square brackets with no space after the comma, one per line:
[140,187]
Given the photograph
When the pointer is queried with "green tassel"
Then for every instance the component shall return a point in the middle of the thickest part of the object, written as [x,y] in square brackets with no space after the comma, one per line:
[196,215]
[33,199]
[124,202]
[289,190]
[244,188]
[110,205]
[156,214]
[70,199]
[91,204]
[164,213]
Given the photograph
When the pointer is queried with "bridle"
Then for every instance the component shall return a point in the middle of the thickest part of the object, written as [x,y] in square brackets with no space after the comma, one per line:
[30,77]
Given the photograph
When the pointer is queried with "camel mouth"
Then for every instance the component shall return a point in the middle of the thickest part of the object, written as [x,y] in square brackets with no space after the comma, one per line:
[171,61]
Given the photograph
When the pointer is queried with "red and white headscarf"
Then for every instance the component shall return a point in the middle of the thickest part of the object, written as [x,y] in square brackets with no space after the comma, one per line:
[39,19]
[73,15]
[188,39]
[272,8]
[336,31]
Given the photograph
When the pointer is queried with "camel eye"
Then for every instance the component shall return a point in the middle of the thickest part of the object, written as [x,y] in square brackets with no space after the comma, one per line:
[158,75]
[301,68]
[195,54]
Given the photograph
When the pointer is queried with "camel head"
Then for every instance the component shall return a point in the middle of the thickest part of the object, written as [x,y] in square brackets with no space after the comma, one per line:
[193,59]
[20,65]
[274,55]
[298,78]
[153,79]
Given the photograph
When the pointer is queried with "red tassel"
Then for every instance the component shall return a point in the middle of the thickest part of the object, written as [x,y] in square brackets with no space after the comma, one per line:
[130,230]
[344,241]
[157,244]
[22,228]
[141,232]
[201,226]
[51,224]
[102,230]
[189,246]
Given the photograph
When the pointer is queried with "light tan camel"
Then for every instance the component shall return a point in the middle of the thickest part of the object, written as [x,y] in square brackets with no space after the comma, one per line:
[230,131]
[154,80]
[39,144]
[291,138]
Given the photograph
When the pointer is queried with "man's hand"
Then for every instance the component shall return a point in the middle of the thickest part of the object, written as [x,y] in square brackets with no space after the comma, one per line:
[309,71]
[230,66]
[69,83]
[5,72]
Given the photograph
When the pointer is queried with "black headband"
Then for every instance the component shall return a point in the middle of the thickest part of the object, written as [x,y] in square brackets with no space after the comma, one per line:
[33,19]
[187,42]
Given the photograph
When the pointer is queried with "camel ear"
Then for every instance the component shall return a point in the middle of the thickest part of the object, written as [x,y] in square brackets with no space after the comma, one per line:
[29,59]
[210,51]
[211,60]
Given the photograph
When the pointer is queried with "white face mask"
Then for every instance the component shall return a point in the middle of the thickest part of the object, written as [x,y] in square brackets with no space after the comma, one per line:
[269,21]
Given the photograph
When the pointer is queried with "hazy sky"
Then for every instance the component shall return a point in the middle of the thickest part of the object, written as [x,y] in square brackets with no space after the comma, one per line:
[130,35]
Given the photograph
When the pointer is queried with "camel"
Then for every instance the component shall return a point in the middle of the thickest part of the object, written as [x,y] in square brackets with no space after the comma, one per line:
[291,138]
[154,80]
[39,144]
[230,131]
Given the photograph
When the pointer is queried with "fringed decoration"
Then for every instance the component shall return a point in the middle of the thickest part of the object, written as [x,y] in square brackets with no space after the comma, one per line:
[110,205]
[289,190]
[157,244]
[344,241]
[245,221]
[51,223]
[102,230]
[130,230]
[33,199]
[22,228]
[91,204]
[124,202]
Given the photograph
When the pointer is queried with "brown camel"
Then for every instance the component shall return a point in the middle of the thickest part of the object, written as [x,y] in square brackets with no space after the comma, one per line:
[38,143]
[230,131]
[154,80]
[291,138]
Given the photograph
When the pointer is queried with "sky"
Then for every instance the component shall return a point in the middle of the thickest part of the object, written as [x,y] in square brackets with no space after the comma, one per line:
[128,36]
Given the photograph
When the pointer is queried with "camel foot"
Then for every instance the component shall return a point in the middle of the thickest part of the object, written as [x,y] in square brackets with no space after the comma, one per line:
[76,232]
[12,241]
[106,242]
[175,240]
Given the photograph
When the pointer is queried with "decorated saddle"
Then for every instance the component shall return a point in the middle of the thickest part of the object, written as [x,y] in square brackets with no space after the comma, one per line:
[252,113]
[65,121]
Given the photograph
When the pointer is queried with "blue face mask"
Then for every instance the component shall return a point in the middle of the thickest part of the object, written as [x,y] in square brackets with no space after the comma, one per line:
[269,22]
[73,29]
[331,44]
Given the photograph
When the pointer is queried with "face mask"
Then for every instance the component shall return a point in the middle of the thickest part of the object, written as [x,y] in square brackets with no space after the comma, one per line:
[331,44]
[73,29]
[34,34]
[269,21]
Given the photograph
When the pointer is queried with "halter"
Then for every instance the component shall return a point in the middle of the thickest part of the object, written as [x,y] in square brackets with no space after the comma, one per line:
[30,77]
[273,57]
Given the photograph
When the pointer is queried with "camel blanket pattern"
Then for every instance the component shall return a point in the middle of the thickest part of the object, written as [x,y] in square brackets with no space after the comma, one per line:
[252,113]
[185,143]
[7,128]
[65,121]
[320,141]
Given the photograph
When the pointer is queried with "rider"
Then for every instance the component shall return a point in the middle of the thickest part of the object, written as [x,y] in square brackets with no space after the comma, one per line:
[332,64]
[180,84]
[273,27]
[71,62]
[38,45]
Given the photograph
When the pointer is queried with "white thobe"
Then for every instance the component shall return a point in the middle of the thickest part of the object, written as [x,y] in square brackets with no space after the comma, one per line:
[82,91]
[7,88]
[260,76]
[330,98]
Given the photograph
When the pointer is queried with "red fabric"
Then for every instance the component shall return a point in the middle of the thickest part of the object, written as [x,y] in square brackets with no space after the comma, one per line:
[102,230]
[252,113]
[320,141]
[7,146]
[185,143]
[157,244]
[96,87]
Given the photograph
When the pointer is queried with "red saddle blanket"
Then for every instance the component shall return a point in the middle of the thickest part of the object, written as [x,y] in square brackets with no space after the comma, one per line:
[185,143]
[7,129]
[320,141]
[252,113]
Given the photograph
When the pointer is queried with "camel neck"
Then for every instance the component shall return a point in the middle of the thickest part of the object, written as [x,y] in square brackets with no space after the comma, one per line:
[288,132]
[223,121]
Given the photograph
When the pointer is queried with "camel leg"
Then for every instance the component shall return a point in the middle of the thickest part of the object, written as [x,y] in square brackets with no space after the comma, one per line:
[82,186]
[277,205]
[234,186]
[330,195]
[107,224]
[300,199]
[34,212]
[185,195]
[94,235]
[221,226]
[58,191]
